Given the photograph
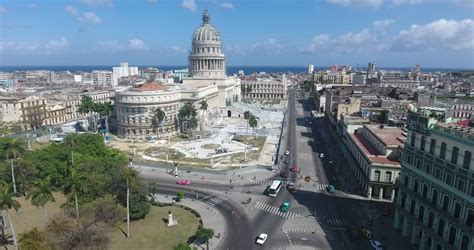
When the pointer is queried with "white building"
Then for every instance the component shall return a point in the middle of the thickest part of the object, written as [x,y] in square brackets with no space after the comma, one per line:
[102,78]
[310,69]
[123,71]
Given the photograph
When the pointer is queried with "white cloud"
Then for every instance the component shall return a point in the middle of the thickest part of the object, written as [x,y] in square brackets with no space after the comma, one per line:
[137,44]
[234,49]
[3,10]
[383,24]
[18,46]
[442,33]
[57,44]
[89,17]
[71,10]
[357,3]
[410,2]
[102,3]
[112,45]
[175,50]
[189,4]
[227,5]
[270,46]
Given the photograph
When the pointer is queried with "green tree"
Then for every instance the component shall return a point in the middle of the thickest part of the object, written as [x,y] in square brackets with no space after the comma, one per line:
[187,117]
[71,140]
[41,195]
[7,202]
[180,195]
[33,239]
[104,109]
[253,122]
[203,107]
[182,246]
[14,148]
[247,115]
[206,234]
[87,107]
[74,185]
[158,117]
[130,176]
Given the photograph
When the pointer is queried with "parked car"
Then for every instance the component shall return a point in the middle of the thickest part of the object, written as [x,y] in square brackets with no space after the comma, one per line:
[287,152]
[291,187]
[183,182]
[321,155]
[293,168]
[286,161]
[330,189]
[375,244]
[261,239]
[285,207]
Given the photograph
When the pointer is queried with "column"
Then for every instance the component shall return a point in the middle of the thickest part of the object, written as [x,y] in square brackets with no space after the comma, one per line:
[413,234]
[369,193]
[422,241]
[396,220]
[405,226]
[392,197]
[381,193]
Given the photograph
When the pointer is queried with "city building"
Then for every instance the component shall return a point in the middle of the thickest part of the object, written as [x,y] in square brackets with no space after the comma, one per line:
[329,77]
[310,69]
[33,112]
[359,79]
[435,204]
[123,71]
[371,72]
[264,88]
[9,109]
[102,78]
[207,81]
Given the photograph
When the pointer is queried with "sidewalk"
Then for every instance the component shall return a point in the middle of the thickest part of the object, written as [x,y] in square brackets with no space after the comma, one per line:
[210,218]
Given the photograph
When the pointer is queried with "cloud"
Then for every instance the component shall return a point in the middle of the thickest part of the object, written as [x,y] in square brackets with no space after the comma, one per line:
[18,46]
[269,46]
[442,33]
[357,3]
[409,2]
[465,3]
[3,10]
[227,5]
[189,4]
[57,44]
[175,50]
[99,3]
[234,49]
[349,42]
[383,24]
[71,10]
[111,45]
[89,17]
[137,44]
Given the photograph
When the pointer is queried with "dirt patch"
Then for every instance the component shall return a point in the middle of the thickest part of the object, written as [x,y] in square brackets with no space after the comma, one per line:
[210,146]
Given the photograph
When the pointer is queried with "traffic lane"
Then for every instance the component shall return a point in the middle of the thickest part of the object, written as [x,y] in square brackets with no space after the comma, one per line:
[308,239]
[238,227]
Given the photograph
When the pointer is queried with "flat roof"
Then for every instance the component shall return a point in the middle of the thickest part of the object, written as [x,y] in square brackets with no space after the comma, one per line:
[391,137]
[370,151]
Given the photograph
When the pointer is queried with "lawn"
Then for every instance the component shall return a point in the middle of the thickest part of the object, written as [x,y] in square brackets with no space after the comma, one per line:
[152,232]
[28,216]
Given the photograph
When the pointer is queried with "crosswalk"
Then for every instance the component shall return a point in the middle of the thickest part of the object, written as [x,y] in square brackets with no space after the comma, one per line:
[336,222]
[269,181]
[275,210]
[321,186]
[214,199]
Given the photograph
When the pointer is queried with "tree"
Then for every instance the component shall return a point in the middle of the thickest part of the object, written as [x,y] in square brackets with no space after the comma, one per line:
[41,195]
[104,109]
[71,140]
[158,117]
[74,185]
[206,234]
[187,117]
[253,122]
[7,202]
[182,246]
[130,178]
[180,195]
[247,115]
[86,107]
[203,107]
[14,148]
[33,239]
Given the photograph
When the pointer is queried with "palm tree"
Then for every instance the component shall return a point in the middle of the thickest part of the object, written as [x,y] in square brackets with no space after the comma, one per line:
[14,148]
[130,179]
[71,140]
[7,202]
[74,185]
[253,123]
[41,195]
[104,109]
[158,116]
[86,107]
[187,113]
[203,107]
[247,115]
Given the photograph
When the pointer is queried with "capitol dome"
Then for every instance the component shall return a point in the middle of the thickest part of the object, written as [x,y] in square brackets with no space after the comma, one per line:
[206,59]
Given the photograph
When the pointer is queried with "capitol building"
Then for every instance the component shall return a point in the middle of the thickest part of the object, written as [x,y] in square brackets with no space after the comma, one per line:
[135,107]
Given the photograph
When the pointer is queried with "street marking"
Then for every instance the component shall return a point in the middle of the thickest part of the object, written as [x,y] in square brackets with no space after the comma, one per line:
[303,156]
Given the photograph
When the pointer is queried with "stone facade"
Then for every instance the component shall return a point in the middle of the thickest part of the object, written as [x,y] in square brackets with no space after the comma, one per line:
[272,88]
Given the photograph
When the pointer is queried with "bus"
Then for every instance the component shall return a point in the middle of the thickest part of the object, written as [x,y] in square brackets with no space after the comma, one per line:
[274,188]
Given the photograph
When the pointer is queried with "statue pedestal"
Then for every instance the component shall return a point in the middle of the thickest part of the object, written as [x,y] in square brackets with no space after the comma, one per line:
[171,221]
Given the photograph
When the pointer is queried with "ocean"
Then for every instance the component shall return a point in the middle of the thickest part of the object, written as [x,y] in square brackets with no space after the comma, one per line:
[230,69]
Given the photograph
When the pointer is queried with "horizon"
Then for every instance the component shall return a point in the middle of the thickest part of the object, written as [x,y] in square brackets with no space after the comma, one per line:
[393,33]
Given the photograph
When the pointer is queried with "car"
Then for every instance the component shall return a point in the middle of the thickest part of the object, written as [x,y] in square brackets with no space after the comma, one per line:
[367,234]
[286,161]
[261,239]
[291,187]
[330,189]
[310,123]
[375,244]
[293,168]
[183,182]
[321,155]
[287,152]
[285,207]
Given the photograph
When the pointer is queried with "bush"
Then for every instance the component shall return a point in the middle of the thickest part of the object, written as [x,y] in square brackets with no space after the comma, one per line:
[180,195]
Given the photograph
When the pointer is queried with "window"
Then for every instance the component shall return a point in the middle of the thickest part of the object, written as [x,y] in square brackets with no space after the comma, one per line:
[454,156]
[421,213]
[437,173]
[376,175]
[418,164]
[448,179]
[388,176]
[415,186]
[425,191]
[470,217]
[452,235]
[445,203]
[434,197]
[412,206]
[457,210]
[430,219]
[440,227]
[442,152]
[423,142]
[427,168]
[467,159]
[432,146]
[413,139]
[460,185]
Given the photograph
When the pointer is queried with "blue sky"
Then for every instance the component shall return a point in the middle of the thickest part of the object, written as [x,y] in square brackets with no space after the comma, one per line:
[433,33]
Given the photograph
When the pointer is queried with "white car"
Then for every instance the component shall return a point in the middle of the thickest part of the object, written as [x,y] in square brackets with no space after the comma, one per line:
[287,152]
[261,239]
[375,244]
[321,155]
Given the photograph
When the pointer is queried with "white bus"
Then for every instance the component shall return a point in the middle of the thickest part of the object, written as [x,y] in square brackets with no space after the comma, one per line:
[274,189]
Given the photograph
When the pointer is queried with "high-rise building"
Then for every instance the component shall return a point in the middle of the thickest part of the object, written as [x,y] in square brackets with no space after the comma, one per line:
[102,78]
[310,69]
[123,71]
[435,204]
[371,73]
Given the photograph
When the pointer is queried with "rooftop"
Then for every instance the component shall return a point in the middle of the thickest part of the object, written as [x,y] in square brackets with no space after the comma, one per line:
[391,137]
[370,151]
[150,86]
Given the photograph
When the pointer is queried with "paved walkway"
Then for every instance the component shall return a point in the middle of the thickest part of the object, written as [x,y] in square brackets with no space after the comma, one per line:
[209,215]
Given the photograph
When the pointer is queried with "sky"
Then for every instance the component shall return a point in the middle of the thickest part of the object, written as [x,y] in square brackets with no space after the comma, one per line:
[391,33]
